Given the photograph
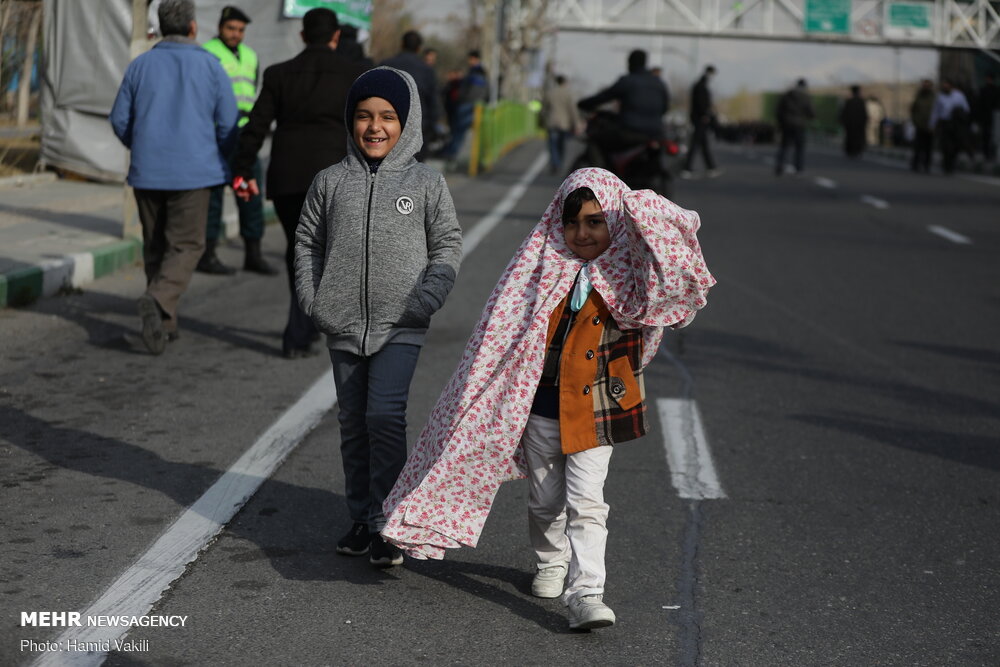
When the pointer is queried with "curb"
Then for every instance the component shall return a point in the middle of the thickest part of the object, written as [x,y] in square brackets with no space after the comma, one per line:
[24,180]
[24,286]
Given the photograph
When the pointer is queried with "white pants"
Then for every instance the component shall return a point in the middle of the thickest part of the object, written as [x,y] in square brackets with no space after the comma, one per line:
[567,515]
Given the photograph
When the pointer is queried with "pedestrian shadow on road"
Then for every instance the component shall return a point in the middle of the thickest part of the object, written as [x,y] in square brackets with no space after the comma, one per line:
[100,315]
[293,526]
[982,451]
[465,576]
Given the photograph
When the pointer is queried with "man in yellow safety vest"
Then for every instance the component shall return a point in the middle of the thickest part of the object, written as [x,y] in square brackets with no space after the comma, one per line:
[240,63]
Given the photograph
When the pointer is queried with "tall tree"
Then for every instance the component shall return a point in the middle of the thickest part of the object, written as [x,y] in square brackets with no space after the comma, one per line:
[30,41]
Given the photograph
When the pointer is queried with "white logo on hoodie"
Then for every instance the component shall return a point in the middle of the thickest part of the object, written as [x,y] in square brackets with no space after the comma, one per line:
[404,205]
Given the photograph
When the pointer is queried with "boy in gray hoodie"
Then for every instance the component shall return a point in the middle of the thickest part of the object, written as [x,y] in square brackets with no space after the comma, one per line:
[377,250]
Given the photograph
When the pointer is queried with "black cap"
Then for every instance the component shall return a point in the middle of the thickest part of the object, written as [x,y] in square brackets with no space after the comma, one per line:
[381,82]
[230,13]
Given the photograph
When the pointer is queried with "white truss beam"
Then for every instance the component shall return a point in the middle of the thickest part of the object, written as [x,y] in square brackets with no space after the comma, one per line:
[953,23]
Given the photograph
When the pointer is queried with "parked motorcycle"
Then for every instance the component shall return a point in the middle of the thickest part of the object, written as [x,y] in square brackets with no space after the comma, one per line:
[650,165]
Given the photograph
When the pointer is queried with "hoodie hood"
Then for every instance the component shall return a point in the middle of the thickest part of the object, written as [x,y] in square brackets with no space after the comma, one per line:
[410,140]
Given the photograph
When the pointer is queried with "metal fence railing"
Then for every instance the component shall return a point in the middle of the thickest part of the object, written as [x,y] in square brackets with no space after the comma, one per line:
[497,128]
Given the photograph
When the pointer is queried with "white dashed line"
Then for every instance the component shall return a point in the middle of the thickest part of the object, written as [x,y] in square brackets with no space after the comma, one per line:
[691,469]
[825,183]
[954,237]
[875,201]
[504,206]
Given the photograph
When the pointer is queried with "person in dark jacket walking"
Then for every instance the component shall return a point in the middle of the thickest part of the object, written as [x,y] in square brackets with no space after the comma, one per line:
[854,119]
[794,112]
[473,88]
[703,119]
[920,116]
[950,119]
[306,97]
[176,112]
[410,61]
[376,254]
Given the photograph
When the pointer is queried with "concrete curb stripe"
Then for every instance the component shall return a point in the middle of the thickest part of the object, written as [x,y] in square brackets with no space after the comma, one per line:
[110,258]
[25,286]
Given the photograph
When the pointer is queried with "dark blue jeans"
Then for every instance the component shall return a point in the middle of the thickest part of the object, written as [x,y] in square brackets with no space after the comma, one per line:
[796,138]
[557,148]
[372,394]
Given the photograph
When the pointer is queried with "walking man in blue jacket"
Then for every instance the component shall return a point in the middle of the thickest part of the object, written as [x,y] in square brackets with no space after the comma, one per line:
[176,112]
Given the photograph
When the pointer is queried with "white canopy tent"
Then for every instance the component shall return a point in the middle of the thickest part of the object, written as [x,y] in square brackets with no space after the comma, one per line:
[87,48]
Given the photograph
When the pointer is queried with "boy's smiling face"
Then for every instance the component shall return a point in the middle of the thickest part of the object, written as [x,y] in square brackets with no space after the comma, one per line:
[376,127]
[587,232]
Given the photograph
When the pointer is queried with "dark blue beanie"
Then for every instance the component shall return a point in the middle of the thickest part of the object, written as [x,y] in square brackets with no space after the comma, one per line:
[384,83]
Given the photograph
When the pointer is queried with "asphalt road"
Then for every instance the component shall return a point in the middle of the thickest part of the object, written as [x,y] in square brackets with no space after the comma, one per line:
[847,377]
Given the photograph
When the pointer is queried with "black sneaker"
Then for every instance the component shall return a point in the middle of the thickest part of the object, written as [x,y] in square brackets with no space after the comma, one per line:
[384,554]
[355,542]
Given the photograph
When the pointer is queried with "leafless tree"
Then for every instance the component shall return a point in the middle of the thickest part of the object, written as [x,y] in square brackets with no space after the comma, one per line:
[30,40]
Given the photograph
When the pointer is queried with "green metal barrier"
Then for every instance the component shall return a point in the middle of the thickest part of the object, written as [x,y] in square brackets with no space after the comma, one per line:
[498,128]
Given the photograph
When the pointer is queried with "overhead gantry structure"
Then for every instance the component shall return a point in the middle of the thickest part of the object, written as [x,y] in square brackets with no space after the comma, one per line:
[930,23]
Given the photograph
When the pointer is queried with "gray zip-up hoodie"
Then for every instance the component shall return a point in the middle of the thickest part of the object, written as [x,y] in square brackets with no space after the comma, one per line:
[377,250]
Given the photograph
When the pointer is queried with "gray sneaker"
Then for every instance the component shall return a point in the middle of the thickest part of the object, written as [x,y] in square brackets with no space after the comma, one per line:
[548,581]
[588,612]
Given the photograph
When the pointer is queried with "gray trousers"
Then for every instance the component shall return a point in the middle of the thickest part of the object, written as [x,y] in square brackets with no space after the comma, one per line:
[173,240]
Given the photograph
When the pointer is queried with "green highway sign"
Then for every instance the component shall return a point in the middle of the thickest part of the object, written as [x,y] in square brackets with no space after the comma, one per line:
[354,12]
[831,17]
[909,20]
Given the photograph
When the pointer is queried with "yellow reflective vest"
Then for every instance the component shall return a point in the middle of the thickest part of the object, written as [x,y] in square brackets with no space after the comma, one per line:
[242,72]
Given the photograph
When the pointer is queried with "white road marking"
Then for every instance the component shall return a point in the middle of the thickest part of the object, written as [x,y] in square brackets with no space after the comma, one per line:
[141,586]
[874,201]
[691,469]
[504,206]
[825,183]
[954,237]
[137,590]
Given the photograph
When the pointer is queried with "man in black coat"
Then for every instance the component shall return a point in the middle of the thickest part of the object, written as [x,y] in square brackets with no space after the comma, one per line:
[410,61]
[703,119]
[854,118]
[306,96]
[794,112]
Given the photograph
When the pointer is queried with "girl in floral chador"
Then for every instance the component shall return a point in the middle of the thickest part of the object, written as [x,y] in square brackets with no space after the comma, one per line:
[551,379]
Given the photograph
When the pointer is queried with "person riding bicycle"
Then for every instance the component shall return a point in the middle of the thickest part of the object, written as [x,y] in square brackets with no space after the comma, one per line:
[643,99]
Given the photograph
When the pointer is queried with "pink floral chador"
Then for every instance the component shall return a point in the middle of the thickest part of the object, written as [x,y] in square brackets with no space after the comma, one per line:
[652,276]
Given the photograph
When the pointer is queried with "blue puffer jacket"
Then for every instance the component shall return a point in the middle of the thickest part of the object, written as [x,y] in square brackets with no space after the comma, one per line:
[176,112]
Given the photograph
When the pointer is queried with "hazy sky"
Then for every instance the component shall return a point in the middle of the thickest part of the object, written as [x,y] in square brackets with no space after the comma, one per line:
[593,60]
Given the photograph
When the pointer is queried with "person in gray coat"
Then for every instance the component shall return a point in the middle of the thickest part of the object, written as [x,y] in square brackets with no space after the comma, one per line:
[377,250]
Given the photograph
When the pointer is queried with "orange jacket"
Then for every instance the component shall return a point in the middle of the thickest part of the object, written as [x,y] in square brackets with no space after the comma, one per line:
[601,392]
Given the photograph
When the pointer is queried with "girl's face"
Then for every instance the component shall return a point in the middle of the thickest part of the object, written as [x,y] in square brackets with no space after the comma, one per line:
[587,233]
[376,127]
